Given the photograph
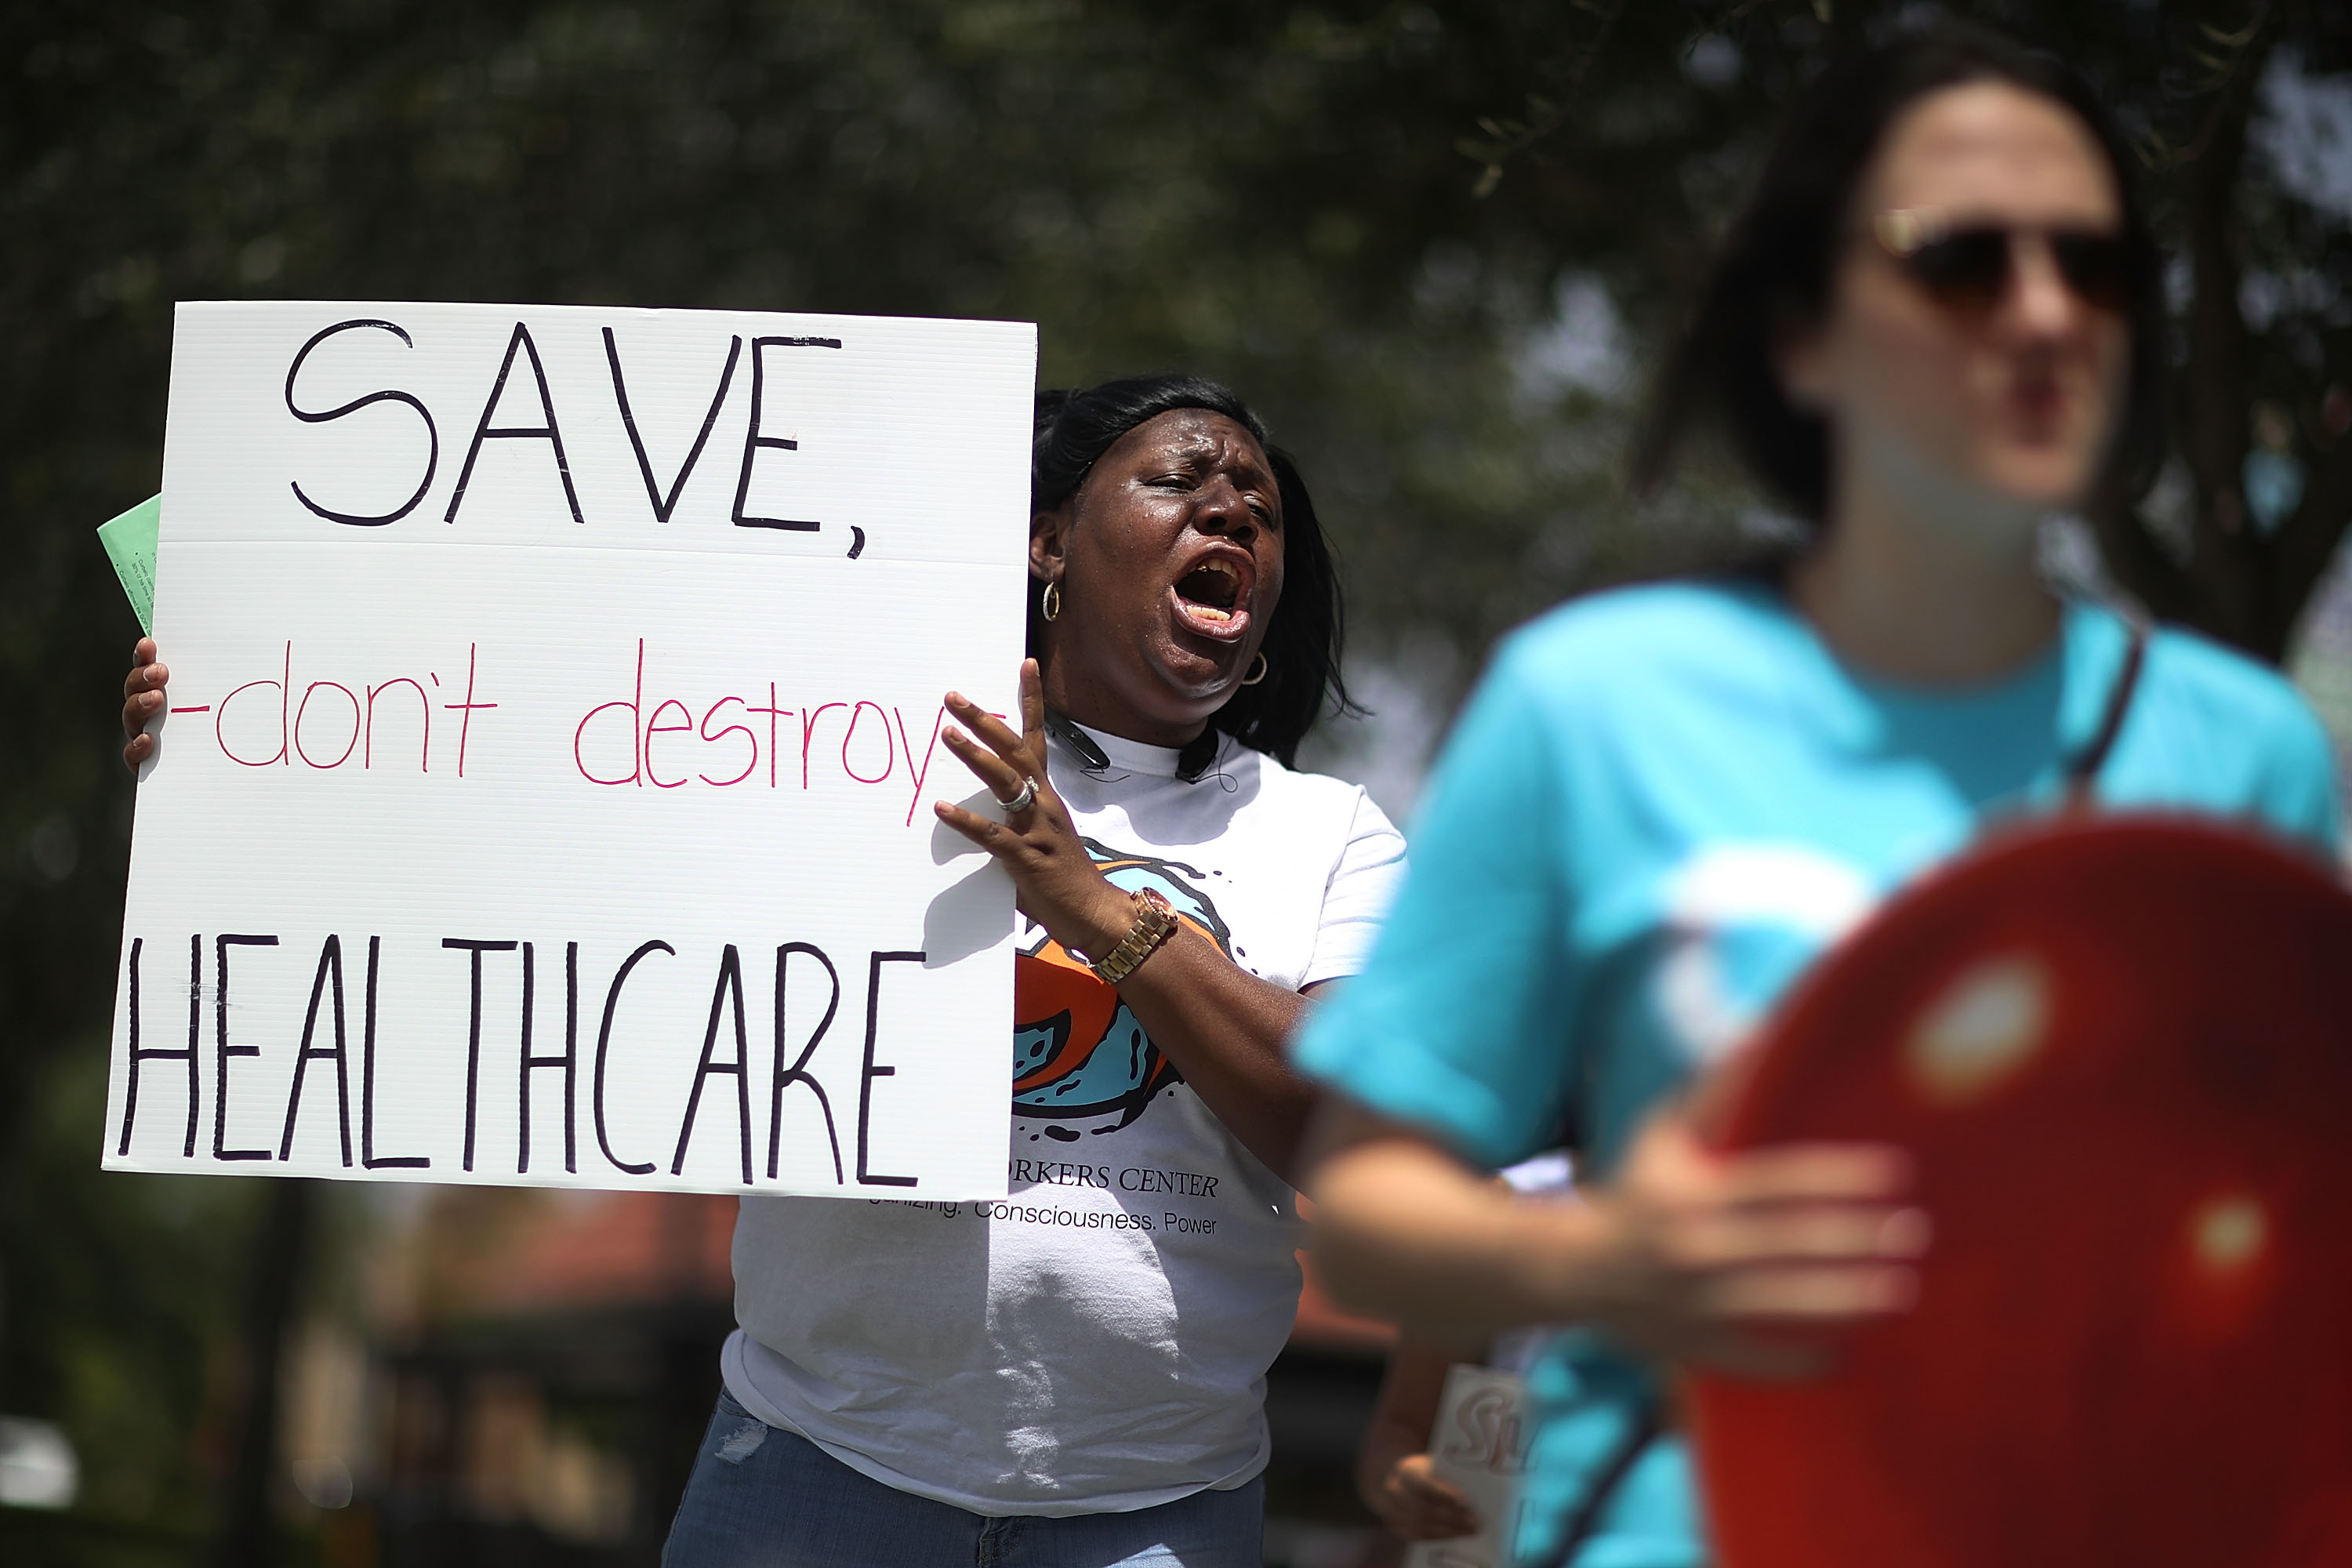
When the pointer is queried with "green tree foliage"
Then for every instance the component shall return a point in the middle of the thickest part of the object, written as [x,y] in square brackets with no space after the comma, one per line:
[2259,273]
[1269,196]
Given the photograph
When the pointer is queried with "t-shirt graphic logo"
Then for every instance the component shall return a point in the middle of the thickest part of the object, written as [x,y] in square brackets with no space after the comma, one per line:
[1080,1059]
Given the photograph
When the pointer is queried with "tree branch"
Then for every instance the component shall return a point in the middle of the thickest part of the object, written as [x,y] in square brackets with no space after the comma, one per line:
[2224,565]
[1511,138]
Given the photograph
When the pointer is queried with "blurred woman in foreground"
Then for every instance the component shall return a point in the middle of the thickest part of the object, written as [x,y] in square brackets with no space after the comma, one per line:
[1937,322]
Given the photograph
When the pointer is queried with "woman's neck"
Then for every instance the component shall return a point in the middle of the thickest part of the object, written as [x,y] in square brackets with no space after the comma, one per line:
[1093,703]
[1944,594]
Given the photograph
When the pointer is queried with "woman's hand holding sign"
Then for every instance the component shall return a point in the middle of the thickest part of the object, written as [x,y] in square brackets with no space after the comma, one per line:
[143,698]
[1222,1026]
[1058,885]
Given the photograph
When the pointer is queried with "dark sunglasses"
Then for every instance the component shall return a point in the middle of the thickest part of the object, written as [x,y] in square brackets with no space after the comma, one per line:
[1970,267]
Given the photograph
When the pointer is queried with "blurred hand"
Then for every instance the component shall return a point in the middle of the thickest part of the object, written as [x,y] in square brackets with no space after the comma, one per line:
[1419,1504]
[143,698]
[1701,1251]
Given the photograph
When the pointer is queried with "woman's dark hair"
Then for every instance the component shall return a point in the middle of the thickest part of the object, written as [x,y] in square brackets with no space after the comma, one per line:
[1774,274]
[1075,428]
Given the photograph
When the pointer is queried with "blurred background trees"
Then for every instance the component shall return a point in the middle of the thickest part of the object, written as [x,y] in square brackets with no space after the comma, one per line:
[1438,244]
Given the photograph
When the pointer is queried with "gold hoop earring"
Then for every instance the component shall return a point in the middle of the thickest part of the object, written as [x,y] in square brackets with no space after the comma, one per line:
[1050,605]
[1257,670]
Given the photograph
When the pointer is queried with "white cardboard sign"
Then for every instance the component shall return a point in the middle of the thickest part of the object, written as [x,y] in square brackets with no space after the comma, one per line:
[544,796]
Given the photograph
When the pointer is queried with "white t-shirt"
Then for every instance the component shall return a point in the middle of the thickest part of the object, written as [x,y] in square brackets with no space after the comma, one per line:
[1097,1342]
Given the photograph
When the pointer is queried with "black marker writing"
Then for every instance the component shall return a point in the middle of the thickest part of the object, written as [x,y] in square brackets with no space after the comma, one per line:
[330,967]
[368,1159]
[665,504]
[474,1028]
[139,1054]
[432,457]
[223,1050]
[569,1061]
[604,1044]
[798,1072]
[547,432]
[730,987]
[753,440]
[870,1072]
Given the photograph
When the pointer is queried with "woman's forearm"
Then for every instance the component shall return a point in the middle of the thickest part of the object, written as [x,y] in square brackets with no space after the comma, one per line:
[1686,1253]
[1404,1231]
[1223,1028]
[1410,1393]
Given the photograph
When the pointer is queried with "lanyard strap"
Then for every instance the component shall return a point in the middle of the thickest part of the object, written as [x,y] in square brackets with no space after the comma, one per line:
[2082,769]
[1642,1425]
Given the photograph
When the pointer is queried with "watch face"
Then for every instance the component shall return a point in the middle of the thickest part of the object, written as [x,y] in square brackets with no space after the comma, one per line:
[2119,1053]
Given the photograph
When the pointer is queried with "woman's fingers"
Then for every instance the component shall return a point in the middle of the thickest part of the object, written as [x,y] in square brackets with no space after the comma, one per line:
[1815,1294]
[146,678]
[1800,1261]
[983,831]
[1856,1173]
[143,698]
[1033,708]
[1719,1245]
[1828,1234]
[1424,1520]
[1423,1505]
[1004,761]
[994,733]
[1057,882]
[138,709]
[1806,1204]
[988,833]
[1003,780]
[1440,1505]
[1819,1233]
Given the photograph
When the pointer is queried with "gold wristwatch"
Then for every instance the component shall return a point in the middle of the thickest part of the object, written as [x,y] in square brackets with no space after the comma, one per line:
[1155,922]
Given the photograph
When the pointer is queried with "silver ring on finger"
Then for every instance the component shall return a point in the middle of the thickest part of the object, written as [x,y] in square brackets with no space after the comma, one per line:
[1021,800]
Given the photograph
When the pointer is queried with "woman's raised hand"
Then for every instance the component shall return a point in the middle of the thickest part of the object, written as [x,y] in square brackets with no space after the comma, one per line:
[1058,885]
[143,698]
[1703,1249]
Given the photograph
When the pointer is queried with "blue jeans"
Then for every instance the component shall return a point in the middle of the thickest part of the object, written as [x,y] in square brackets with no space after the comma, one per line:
[760,1497]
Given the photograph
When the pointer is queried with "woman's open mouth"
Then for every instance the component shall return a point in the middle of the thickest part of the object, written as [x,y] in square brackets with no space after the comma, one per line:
[1212,599]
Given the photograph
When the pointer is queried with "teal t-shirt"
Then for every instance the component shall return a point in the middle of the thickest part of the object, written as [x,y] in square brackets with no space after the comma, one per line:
[1659,806]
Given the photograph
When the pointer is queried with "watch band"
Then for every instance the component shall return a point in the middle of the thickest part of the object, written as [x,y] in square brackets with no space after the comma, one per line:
[1155,922]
